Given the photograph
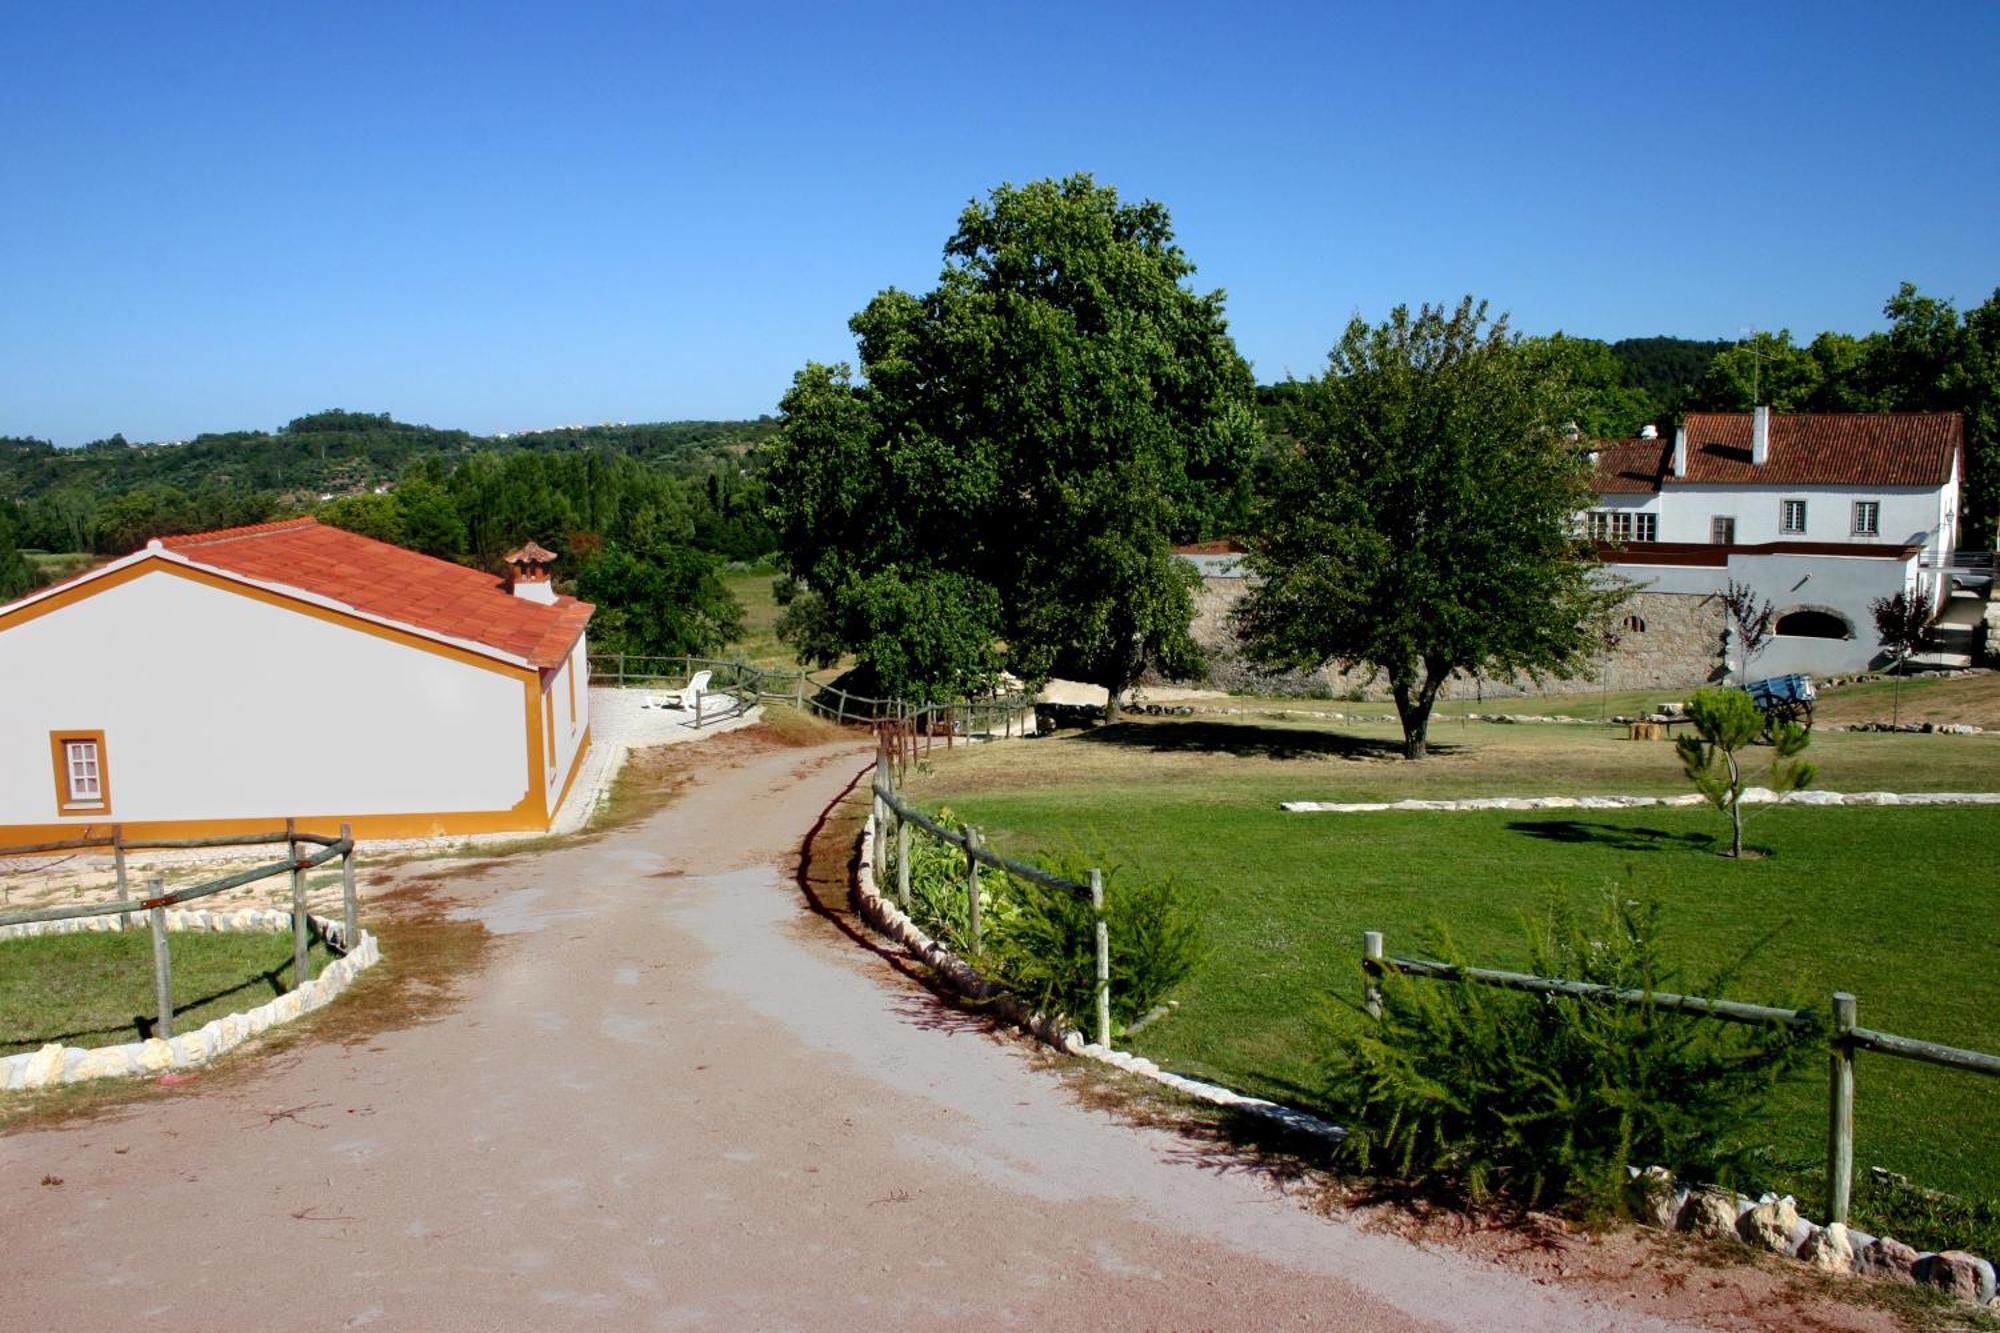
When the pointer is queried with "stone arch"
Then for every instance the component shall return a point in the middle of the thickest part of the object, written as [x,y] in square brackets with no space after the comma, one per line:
[1812,622]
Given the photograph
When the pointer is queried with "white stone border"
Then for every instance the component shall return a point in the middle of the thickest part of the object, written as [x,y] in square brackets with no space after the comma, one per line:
[887,917]
[56,1063]
[1751,796]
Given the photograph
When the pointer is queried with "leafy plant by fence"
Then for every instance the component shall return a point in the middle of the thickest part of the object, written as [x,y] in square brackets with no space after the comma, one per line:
[1545,1099]
[1610,981]
[1070,939]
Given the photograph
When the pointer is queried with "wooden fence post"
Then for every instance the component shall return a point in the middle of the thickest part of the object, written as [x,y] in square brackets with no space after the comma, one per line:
[1840,1111]
[1103,958]
[972,885]
[1371,964]
[876,849]
[350,918]
[903,864]
[163,967]
[118,858]
[300,937]
[697,710]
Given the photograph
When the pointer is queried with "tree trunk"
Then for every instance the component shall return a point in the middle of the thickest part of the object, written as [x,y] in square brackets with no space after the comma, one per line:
[1735,809]
[1415,711]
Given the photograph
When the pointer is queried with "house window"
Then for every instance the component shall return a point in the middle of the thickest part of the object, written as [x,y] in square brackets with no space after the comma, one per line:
[1635,624]
[1645,527]
[1792,517]
[83,778]
[1722,530]
[1621,527]
[1867,518]
[1597,524]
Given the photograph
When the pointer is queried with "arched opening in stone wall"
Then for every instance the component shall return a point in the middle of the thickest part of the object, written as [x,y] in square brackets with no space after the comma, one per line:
[1814,623]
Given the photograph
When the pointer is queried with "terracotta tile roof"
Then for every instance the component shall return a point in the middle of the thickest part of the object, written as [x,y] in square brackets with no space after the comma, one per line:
[1226,546]
[1632,467]
[394,584]
[1826,449]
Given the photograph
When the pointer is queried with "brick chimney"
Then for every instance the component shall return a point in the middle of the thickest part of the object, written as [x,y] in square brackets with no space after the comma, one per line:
[529,568]
[1760,435]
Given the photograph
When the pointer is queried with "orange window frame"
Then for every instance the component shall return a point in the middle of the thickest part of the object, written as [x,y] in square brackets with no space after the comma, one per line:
[59,743]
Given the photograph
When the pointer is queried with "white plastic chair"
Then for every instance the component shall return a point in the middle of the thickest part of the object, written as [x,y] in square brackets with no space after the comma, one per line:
[695,689]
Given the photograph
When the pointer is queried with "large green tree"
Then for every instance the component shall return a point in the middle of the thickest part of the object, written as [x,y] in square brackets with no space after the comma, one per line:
[1046,422]
[1425,525]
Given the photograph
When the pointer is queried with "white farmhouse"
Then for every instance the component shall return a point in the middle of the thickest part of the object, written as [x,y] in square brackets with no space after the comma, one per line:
[221,682]
[1820,514]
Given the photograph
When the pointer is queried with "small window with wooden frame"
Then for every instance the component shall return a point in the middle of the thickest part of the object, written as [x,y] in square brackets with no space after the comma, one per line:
[83,775]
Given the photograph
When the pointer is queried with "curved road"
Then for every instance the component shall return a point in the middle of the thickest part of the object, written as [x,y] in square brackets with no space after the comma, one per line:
[674,1098]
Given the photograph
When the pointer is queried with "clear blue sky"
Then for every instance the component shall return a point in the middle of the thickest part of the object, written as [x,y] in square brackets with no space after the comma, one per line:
[501,217]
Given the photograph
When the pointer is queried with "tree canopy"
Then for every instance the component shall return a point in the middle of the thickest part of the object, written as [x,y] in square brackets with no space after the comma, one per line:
[1424,525]
[1024,445]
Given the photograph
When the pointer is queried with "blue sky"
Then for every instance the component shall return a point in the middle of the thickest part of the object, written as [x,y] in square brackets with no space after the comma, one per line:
[508,216]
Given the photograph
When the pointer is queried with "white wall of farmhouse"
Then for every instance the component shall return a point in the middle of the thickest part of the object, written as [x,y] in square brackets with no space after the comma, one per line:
[220,706]
[1842,585]
[568,711]
[1907,515]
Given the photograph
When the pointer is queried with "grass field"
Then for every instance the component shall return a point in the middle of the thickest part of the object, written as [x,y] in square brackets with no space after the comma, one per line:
[97,990]
[1893,904]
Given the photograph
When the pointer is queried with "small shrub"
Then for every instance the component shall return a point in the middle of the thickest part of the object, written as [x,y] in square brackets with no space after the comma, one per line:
[1045,946]
[1538,1100]
[1041,943]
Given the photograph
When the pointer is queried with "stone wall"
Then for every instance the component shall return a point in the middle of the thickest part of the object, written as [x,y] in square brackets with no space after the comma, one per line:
[1679,646]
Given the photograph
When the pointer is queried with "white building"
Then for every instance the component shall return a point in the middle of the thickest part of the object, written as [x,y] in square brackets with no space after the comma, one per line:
[1820,514]
[222,682]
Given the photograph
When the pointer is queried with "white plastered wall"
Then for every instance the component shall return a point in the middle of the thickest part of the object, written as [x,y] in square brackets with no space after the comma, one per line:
[217,705]
[569,729]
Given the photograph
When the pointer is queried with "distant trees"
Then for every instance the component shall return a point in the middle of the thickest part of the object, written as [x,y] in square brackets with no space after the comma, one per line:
[1425,523]
[17,576]
[1026,442]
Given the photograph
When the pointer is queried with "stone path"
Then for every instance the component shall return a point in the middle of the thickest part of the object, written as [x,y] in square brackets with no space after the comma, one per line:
[675,1098]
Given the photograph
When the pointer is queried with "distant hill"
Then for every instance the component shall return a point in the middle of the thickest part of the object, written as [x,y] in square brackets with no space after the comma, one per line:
[1668,369]
[338,451]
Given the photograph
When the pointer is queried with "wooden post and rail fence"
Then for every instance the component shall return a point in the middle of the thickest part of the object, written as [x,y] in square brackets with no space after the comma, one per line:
[749,686]
[889,808]
[1845,1038]
[157,899]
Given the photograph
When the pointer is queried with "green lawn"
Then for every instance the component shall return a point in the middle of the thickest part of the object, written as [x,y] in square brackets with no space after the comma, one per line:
[1893,904]
[97,990]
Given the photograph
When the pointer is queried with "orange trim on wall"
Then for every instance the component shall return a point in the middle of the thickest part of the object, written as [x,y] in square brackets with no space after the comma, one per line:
[58,752]
[575,767]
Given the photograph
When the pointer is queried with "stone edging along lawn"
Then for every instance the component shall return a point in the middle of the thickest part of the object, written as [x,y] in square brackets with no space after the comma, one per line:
[55,1063]
[1751,796]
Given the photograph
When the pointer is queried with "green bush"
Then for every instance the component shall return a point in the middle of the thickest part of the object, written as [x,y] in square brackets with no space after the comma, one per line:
[1537,1100]
[1041,943]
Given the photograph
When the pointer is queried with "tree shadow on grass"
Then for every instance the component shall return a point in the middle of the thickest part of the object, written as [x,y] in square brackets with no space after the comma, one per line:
[1619,837]
[1246,738]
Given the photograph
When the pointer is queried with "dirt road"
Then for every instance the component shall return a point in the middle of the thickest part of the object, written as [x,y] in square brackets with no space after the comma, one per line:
[673,1099]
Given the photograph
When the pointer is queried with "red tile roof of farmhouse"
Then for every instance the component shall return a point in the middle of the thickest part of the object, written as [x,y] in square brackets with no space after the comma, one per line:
[1807,449]
[1227,546]
[388,581]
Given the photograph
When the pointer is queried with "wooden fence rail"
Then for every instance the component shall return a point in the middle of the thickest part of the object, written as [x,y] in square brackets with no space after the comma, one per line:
[1844,1039]
[157,899]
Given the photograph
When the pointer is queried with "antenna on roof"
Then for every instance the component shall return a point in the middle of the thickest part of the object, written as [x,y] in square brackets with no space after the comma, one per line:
[1757,359]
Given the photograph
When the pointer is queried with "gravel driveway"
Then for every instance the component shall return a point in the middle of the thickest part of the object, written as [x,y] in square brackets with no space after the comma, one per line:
[673,1098]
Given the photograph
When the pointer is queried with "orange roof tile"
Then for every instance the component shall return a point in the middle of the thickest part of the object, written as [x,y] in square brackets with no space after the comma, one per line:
[1827,448]
[1807,449]
[396,584]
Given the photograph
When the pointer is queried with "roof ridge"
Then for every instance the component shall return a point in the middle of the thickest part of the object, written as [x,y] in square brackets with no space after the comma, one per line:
[231,534]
